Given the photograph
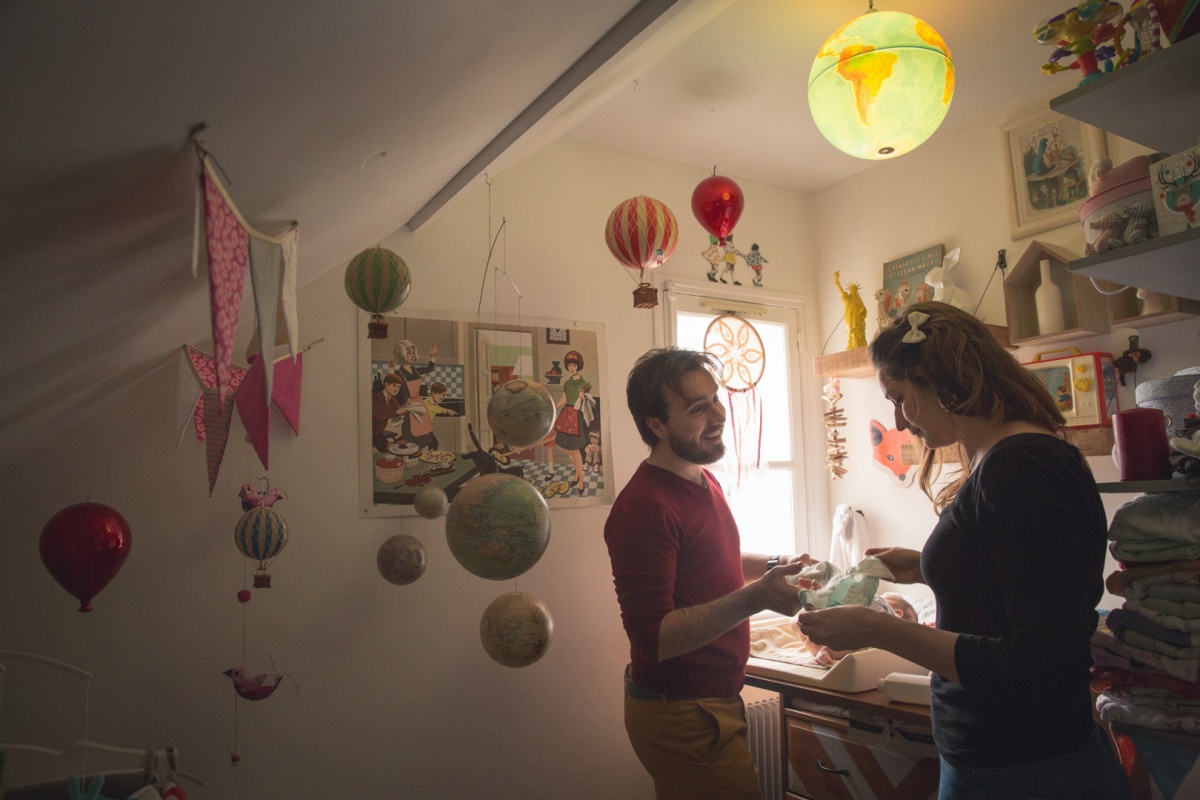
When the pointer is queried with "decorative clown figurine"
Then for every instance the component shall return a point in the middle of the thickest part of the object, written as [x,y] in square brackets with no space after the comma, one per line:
[855,314]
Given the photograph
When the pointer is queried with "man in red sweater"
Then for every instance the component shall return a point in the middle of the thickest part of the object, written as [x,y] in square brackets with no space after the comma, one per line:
[685,589]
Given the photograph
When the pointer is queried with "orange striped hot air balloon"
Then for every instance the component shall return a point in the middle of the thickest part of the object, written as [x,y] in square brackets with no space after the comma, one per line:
[377,281]
[641,233]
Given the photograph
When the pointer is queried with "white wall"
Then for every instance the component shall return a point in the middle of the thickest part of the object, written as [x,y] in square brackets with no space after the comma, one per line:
[949,191]
[396,695]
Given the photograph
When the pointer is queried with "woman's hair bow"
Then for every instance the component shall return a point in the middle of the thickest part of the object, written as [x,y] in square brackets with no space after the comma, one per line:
[915,319]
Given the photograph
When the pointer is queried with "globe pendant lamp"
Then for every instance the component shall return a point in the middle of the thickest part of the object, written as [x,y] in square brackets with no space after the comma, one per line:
[881,85]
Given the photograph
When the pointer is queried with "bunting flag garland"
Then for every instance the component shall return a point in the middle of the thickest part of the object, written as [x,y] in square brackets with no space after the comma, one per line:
[233,246]
[228,254]
[286,394]
[211,416]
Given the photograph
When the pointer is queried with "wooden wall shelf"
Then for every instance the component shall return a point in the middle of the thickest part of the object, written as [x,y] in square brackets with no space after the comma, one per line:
[1124,308]
[857,364]
[1085,310]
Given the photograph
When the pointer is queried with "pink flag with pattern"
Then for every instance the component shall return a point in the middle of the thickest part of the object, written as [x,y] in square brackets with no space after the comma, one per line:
[228,248]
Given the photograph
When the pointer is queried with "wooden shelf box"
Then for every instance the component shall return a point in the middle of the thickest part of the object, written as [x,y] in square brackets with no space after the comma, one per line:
[1127,311]
[1085,309]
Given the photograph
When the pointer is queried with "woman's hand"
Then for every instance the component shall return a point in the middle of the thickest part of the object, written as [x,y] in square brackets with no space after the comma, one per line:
[843,627]
[905,564]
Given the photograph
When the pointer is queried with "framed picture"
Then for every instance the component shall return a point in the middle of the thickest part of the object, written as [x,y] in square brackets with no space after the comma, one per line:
[423,408]
[1048,156]
[904,281]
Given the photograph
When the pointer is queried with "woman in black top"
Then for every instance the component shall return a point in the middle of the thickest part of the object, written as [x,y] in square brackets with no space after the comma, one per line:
[1015,562]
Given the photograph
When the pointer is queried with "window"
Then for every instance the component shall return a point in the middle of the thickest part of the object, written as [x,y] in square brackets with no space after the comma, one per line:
[769,502]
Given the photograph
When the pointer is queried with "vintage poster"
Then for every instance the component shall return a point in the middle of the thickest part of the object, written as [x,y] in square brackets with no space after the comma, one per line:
[904,281]
[423,408]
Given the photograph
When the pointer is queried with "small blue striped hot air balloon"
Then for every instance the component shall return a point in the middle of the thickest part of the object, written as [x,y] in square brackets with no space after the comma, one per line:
[377,281]
[260,534]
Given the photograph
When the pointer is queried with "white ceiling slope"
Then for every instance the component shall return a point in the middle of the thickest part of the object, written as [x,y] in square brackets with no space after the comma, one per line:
[97,101]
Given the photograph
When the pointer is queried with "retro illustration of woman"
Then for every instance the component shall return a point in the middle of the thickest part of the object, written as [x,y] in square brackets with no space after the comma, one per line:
[574,415]
[418,422]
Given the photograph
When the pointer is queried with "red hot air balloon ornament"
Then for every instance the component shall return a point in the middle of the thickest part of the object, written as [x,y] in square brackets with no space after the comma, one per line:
[84,546]
[641,233]
[717,202]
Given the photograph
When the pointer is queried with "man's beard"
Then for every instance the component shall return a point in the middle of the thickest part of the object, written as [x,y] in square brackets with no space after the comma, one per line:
[694,452]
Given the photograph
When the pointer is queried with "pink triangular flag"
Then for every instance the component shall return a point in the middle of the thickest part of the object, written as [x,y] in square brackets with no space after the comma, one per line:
[228,249]
[217,417]
[286,392]
[253,409]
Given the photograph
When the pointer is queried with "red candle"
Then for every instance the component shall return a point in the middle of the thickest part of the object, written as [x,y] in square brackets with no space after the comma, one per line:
[1142,447]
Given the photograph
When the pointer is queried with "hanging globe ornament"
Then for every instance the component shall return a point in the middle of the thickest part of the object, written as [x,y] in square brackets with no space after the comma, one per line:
[881,85]
[641,233]
[260,534]
[516,629]
[83,547]
[401,559]
[430,502]
[377,281]
[498,526]
[520,413]
[717,202]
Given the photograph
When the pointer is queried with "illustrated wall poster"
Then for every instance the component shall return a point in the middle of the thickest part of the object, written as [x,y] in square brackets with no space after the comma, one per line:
[1048,156]
[904,281]
[423,401]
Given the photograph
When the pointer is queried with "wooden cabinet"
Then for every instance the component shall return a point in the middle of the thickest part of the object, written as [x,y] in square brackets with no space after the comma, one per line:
[1154,102]
[852,746]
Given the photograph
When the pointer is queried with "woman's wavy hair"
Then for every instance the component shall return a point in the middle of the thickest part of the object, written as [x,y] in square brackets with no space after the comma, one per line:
[971,374]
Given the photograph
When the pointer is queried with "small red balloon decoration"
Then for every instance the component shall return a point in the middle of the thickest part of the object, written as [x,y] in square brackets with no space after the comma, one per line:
[717,203]
[83,547]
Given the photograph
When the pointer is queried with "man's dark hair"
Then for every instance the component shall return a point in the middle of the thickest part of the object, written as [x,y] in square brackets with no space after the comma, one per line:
[654,373]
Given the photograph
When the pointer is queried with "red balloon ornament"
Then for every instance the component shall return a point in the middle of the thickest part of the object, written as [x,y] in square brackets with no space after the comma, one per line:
[84,546]
[717,202]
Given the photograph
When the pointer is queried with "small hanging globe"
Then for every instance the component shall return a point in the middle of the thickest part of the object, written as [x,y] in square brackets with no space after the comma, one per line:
[516,629]
[401,559]
[498,526]
[430,502]
[521,413]
[377,281]
[881,85]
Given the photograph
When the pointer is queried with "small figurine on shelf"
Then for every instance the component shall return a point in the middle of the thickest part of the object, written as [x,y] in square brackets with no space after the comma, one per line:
[944,288]
[1127,363]
[1081,31]
[855,313]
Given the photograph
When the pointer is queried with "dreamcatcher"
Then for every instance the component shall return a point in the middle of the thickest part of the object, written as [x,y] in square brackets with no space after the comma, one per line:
[739,349]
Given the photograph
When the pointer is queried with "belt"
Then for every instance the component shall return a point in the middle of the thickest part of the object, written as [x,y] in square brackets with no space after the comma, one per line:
[638,693]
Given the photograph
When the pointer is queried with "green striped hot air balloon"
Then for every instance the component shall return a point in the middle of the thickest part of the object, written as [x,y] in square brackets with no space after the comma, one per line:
[260,534]
[377,281]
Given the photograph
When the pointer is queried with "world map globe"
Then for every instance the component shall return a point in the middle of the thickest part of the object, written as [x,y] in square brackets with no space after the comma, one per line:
[881,85]
[520,413]
[401,559]
[497,526]
[516,629]
[430,502]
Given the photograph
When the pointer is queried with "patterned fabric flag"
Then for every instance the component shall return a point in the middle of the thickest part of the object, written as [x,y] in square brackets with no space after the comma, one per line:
[255,414]
[287,290]
[228,251]
[266,267]
[211,416]
[217,416]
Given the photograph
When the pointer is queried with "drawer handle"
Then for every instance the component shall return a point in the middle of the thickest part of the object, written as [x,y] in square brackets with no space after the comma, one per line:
[845,773]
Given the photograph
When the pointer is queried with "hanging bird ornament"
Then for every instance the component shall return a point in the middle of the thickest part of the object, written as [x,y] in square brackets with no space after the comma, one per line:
[260,534]
[377,281]
[641,233]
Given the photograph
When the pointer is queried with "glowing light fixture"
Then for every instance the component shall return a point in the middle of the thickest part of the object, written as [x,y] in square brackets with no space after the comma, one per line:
[881,85]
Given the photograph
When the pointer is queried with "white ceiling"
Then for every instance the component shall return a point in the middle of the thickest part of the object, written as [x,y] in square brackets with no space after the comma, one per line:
[97,101]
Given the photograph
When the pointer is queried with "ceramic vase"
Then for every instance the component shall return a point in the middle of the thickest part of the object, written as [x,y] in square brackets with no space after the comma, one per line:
[1048,301]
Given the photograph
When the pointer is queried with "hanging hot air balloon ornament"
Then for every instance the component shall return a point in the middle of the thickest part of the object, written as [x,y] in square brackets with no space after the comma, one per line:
[642,233]
[84,546]
[377,281]
[260,534]
[717,202]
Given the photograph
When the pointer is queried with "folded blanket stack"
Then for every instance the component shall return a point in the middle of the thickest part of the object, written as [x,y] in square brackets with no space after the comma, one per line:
[1147,652]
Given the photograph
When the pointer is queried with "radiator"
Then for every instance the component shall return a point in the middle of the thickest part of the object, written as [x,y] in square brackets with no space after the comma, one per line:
[765,737]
